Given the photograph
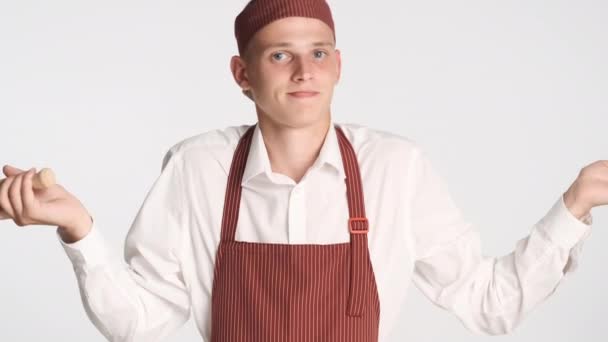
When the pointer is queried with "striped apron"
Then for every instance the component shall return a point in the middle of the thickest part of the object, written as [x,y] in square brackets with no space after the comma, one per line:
[267,292]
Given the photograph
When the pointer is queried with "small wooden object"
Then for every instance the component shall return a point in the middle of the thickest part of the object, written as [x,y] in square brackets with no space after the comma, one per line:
[43,179]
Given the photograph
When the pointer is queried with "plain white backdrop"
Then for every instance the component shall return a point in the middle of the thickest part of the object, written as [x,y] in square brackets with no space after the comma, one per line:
[509,99]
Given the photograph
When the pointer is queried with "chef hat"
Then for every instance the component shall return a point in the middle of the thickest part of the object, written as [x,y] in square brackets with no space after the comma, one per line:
[259,13]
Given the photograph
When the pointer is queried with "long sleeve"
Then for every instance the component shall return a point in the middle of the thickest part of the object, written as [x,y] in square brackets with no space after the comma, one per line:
[489,295]
[146,298]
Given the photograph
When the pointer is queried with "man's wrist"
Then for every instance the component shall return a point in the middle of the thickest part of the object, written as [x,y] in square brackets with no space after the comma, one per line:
[71,234]
[577,209]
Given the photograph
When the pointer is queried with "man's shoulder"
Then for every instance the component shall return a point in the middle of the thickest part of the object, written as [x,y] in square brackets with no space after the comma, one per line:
[216,144]
[369,139]
[211,139]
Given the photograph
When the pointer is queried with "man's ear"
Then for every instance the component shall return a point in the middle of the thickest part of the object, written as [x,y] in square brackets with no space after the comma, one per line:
[239,72]
[338,64]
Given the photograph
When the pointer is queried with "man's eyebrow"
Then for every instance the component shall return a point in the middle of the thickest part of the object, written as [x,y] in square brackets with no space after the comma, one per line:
[285,44]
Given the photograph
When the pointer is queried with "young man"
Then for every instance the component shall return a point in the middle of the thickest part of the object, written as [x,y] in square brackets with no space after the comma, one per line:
[298,228]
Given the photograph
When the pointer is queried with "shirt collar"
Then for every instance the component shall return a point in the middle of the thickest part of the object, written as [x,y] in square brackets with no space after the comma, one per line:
[258,161]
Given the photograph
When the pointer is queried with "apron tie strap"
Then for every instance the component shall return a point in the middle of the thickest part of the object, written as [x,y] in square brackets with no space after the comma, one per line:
[358,227]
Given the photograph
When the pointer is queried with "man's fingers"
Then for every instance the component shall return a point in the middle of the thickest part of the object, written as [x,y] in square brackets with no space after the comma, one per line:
[11,170]
[14,196]
[3,215]
[5,203]
[27,192]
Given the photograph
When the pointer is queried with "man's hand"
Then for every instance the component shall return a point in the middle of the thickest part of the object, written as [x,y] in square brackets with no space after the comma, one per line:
[54,205]
[590,189]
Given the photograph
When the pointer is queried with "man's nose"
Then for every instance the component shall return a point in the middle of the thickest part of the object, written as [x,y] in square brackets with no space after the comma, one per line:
[303,69]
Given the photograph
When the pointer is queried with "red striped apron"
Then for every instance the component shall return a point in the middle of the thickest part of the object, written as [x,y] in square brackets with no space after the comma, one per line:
[267,292]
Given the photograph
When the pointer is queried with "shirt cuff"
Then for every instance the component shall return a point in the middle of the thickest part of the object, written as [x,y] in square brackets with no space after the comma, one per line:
[89,251]
[562,227]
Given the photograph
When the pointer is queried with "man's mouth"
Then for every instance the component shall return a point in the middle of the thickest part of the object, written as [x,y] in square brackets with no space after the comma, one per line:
[301,94]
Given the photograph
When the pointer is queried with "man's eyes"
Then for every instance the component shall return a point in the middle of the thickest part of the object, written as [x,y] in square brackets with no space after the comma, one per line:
[277,54]
[316,53]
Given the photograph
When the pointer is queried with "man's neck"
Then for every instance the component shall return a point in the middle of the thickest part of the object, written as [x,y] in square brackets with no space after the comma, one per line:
[292,151]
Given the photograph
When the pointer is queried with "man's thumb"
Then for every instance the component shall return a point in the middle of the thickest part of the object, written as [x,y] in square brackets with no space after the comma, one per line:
[10,170]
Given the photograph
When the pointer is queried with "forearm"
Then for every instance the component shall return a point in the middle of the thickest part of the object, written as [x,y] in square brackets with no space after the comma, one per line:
[126,302]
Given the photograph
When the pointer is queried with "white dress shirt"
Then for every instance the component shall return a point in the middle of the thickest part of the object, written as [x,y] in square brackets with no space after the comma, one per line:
[416,233]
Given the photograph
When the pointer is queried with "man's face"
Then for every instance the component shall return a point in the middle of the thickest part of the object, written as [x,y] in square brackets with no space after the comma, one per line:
[292,54]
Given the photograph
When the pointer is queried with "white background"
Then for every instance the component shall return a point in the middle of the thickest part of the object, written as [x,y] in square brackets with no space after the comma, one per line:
[508,97]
